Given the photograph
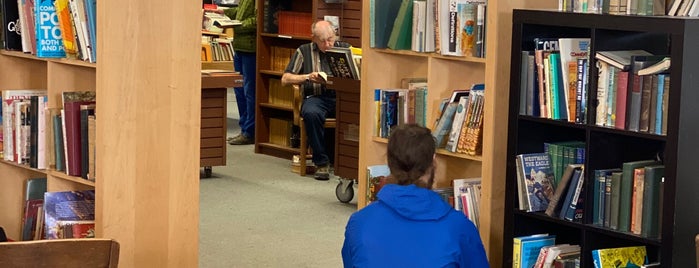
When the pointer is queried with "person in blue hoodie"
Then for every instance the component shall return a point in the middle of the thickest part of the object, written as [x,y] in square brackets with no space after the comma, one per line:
[410,225]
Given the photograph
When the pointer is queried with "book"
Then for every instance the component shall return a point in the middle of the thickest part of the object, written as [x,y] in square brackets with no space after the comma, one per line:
[571,50]
[72,100]
[11,122]
[650,219]
[76,229]
[570,193]
[620,58]
[376,178]
[33,202]
[85,112]
[526,248]
[541,46]
[555,204]
[341,63]
[619,257]
[382,17]
[626,189]
[49,43]
[401,33]
[537,177]
[659,67]
[66,28]
[67,206]
[11,33]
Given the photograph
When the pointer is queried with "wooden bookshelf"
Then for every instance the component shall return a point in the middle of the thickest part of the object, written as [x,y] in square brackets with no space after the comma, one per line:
[350,17]
[147,188]
[607,147]
[445,73]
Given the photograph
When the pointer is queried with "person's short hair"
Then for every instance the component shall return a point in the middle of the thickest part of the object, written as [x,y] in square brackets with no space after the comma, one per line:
[410,154]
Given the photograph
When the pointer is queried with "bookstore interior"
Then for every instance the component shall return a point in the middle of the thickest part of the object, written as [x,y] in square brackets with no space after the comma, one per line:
[563,131]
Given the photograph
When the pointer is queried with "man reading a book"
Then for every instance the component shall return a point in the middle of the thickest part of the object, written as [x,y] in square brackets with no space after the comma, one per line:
[306,69]
[410,225]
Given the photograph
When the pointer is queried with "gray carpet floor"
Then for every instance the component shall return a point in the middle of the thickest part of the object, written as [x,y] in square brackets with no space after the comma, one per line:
[254,212]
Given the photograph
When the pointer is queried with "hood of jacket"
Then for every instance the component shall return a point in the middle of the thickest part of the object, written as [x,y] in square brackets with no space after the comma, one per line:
[413,202]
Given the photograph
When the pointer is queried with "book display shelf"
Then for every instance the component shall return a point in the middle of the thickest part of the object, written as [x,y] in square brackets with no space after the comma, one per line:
[384,68]
[147,137]
[608,147]
[275,45]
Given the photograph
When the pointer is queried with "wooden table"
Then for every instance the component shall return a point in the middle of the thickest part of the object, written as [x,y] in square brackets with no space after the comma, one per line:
[214,90]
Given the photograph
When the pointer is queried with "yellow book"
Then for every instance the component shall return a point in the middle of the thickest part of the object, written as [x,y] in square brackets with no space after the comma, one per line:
[619,257]
[65,24]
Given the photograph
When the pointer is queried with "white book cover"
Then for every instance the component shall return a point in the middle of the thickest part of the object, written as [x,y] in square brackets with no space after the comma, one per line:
[9,97]
[571,49]
[418,37]
[42,124]
[459,117]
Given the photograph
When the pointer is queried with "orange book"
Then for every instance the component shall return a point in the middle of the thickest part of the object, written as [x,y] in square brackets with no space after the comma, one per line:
[65,24]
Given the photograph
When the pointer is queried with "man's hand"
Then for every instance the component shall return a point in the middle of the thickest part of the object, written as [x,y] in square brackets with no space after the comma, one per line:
[316,77]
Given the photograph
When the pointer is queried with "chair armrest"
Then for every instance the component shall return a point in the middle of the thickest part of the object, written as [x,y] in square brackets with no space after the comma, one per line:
[298,100]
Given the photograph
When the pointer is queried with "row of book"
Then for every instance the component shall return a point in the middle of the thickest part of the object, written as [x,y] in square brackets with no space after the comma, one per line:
[464,195]
[56,215]
[459,123]
[626,199]
[50,138]
[632,91]
[216,49]
[51,28]
[554,80]
[688,8]
[541,251]
[629,199]
[448,27]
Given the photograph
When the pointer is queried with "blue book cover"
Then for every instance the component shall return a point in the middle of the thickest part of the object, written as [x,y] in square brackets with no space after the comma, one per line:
[538,176]
[574,180]
[659,105]
[49,43]
[529,249]
[91,11]
[67,206]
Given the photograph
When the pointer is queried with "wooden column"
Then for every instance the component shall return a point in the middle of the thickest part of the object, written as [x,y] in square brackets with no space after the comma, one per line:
[148,94]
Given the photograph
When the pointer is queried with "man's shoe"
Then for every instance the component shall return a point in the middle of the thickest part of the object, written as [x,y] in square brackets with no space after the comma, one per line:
[240,140]
[322,173]
[234,137]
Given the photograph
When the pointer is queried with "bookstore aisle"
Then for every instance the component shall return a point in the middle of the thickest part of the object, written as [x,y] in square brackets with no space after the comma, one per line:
[254,212]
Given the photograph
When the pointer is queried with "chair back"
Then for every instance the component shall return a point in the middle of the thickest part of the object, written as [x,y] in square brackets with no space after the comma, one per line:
[86,252]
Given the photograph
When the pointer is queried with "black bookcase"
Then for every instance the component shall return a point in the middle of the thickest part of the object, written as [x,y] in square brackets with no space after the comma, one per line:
[609,147]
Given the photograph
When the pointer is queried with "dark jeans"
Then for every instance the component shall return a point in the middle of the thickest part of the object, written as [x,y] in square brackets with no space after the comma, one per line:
[244,63]
[314,111]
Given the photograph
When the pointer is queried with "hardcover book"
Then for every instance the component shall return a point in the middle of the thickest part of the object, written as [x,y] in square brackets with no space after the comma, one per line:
[60,207]
[376,176]
[342,63]
[526,249]
[537,175]
[71,106]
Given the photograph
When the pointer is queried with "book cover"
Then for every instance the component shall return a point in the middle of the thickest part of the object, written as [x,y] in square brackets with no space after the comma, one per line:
[76,229]
[542,45]
[66,28]
[599,192]
[49,43]
[602,85]
[376,178]
[30,218]
[570,192]
[341,63]
[614,191]
[12,34]
[619,257]
[67,206]
[536,170]
[401,34]
[91,25]
[619,113]
[382,16]
[58,142]
[458,122]
[650,219]
[571,49]
[529,248]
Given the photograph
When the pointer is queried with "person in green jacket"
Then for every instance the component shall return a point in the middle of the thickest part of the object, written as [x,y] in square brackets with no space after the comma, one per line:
[244,61]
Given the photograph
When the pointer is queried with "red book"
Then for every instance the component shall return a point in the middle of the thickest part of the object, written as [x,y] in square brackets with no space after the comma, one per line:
[73,136]
[622,83]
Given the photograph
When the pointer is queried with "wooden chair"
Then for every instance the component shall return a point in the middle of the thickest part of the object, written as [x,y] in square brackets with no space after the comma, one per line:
[298,120]
[86,252]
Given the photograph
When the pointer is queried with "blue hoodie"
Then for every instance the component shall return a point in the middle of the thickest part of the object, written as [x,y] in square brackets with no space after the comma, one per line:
[410,226]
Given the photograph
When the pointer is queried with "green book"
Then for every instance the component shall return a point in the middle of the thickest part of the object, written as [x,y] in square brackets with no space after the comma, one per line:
[651,201]
[556,98]
[626,190]
[401,35]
